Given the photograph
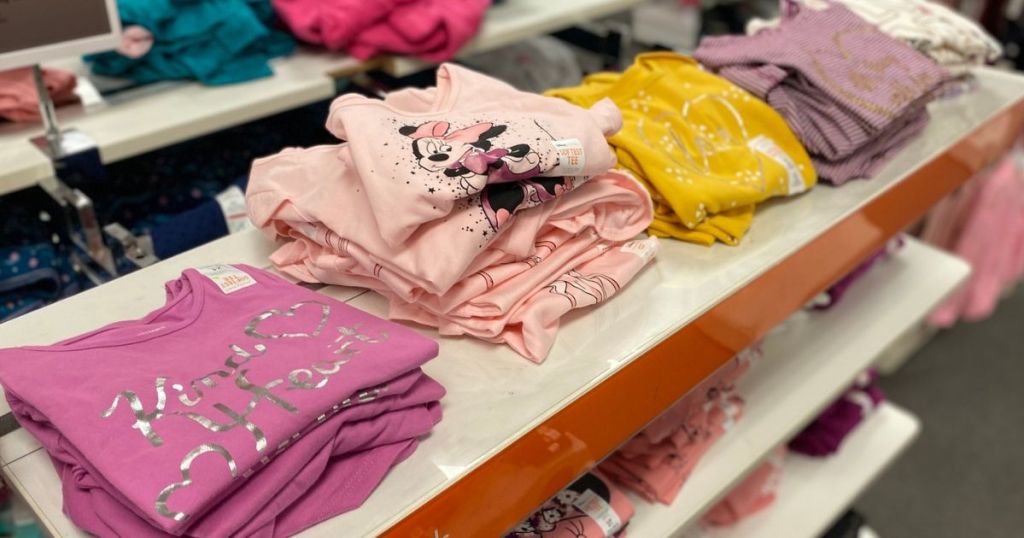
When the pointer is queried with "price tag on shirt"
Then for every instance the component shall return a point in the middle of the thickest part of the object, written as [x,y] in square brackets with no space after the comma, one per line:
[600,511]
[227,277]
[768,147]
[572,159]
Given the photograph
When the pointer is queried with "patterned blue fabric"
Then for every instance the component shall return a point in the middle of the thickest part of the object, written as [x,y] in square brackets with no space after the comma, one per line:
[32,277]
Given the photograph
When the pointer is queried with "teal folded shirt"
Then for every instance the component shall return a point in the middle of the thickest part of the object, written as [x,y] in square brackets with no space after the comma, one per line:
[213,41]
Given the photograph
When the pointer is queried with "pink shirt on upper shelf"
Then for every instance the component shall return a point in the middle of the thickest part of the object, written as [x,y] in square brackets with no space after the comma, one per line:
[171,414]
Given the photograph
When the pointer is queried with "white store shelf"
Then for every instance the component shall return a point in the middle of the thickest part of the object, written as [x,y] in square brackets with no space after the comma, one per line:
[516,20]
[495,396]
[139,120]
[814,492]
[806,365]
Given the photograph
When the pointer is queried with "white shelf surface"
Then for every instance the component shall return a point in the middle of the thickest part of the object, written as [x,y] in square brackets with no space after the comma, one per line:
[814,492]
[139,120]
[807,363]
[516,20]
[480,420]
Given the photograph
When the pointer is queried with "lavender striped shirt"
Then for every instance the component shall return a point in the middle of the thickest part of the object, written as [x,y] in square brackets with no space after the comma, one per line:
[852,94]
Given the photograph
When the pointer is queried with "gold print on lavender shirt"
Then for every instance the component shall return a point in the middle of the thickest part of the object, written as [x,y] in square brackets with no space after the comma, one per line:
[867,75]
[186,477]
[711,143]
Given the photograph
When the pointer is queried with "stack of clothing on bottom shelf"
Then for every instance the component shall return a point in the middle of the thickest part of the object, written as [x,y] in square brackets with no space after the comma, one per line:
[245,406]
[472,206]
[755,493]
[656,463]
[851,93]
[591,507]
[825,435]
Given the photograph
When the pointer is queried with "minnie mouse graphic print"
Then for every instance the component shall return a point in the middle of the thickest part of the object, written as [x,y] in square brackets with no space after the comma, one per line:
[473,207]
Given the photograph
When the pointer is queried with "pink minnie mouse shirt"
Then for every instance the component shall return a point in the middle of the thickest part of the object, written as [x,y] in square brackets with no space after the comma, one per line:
[421,154]
[172,412]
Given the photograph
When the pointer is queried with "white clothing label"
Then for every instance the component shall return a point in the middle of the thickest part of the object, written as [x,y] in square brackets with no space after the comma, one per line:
[600,511]
[862,399]
[771,149]
[645,248]
[571,157]
[227,277]
[232,206]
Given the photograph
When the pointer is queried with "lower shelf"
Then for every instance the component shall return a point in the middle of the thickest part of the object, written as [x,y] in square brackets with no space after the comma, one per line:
[815,491]
[807,363]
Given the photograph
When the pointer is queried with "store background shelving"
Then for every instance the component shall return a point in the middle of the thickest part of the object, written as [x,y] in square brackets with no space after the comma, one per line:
[675,323]
[140,120]
[808,361]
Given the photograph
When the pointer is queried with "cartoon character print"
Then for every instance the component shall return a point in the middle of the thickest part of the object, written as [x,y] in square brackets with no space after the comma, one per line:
[468,154]
[501,200]
[583,290]
[561,514]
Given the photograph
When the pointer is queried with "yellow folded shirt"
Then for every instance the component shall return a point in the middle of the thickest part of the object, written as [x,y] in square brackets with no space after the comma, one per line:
[707,150]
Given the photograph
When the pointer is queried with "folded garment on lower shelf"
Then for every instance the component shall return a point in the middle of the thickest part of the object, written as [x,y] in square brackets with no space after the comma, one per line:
[825,435]
[246,406]
[657,462]
[834,294]
[592,507]
[755,493]
[19,100]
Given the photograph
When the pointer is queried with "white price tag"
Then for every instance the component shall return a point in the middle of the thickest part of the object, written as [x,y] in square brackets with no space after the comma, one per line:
[572,159]
[227,277]
[600,511]
[768,147]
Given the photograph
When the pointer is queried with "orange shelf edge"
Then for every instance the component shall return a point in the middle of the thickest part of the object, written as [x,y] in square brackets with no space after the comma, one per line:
[495,496]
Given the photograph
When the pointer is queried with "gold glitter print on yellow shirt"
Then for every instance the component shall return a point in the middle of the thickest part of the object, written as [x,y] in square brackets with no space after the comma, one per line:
[707,150]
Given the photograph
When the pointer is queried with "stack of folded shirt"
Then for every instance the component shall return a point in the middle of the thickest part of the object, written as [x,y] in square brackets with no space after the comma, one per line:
[656,463]
[212,41]
[432,30]
[245,406]
[755,493]
[852,94]
[591,507]
[706,150]
[824,436]
[472,207]
[19,100]
[952,40]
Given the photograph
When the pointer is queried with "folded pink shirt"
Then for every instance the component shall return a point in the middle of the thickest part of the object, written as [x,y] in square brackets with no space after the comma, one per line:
[472,206]
[19,100]
[219,412]
[432,30]
[755,493]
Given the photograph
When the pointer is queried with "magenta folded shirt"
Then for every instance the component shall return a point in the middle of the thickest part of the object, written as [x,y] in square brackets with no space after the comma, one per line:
[172,413]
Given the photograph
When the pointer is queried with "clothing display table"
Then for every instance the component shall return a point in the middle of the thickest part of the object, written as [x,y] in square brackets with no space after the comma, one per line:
[515,432]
